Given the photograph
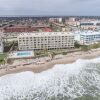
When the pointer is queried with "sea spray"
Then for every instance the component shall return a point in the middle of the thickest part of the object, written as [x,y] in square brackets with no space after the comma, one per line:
[62,82]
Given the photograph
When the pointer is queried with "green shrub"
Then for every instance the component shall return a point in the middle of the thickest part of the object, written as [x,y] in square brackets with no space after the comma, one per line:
[64,53]
[85,48]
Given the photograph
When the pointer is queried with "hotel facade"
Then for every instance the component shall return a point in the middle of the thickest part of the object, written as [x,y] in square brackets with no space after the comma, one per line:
[89,37]
[1,45]
[45,40]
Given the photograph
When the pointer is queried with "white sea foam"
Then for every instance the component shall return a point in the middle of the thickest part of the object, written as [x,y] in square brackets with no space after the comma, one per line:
[65,80]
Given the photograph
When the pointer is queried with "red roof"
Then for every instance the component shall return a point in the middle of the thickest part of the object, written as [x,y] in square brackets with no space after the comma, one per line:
[47,30]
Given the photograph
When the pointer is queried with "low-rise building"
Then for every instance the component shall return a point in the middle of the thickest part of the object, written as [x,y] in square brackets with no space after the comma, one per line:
[45,40]
[90,25]
[72,21]
[58,20]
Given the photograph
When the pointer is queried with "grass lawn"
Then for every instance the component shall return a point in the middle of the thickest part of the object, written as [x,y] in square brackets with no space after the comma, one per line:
[2,56]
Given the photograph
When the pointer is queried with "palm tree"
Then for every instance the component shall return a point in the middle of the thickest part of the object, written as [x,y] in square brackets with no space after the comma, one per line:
[45,50]
[51,55]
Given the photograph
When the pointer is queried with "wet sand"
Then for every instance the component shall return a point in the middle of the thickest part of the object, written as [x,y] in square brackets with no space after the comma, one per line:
[69,58]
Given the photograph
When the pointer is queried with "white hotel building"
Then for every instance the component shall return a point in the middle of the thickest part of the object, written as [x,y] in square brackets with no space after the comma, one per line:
[89,37]
[1,45]
[45,40]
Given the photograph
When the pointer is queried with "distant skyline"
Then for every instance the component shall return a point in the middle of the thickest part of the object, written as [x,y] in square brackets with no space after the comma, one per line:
[50,7]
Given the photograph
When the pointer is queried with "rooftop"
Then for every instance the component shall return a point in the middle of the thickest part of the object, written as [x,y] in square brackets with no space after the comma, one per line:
[37,34]
[90,33]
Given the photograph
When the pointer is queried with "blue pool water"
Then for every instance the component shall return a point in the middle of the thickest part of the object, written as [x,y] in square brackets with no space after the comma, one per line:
[23,54]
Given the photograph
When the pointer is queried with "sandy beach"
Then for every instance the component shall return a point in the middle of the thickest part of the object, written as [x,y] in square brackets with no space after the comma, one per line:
[69,58]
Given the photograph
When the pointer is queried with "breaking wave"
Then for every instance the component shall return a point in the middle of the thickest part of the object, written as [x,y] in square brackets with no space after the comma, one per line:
[63,82]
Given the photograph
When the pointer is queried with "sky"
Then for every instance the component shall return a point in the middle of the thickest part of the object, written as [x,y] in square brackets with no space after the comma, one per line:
[50,7]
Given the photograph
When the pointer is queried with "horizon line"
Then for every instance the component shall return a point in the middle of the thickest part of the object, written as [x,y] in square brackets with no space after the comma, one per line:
[49,16]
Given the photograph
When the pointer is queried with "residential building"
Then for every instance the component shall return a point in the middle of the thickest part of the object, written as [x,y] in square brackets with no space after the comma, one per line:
[58,20]
[90,25]
[72,21]
[45,40]
[1,45]
[89,37]
[10,37]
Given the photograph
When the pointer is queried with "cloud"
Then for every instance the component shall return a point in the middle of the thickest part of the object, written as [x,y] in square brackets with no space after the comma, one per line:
[49,7]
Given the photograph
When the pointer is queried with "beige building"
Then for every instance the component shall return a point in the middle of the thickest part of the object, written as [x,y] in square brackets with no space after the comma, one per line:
[10,37]
[73,23]
[45,40]
[90,25]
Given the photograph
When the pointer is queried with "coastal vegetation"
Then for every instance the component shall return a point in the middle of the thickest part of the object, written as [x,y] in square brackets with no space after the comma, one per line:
[95,46]
[87,97]
[42,53]
[78,47]
[87,47]
[2,58]
[7,46]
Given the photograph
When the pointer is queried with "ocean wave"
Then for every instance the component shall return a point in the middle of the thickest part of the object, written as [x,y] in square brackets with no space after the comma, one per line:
[62,82]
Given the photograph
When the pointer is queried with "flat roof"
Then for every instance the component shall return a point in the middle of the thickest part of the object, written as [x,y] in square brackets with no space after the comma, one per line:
[42,34]
[90,33]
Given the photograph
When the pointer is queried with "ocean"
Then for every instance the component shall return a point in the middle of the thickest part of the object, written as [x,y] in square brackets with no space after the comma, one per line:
[77,81]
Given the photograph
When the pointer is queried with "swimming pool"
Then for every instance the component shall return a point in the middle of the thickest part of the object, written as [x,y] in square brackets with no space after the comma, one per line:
[23,54]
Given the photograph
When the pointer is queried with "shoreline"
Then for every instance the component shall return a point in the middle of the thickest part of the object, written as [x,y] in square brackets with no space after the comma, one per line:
[68,59]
